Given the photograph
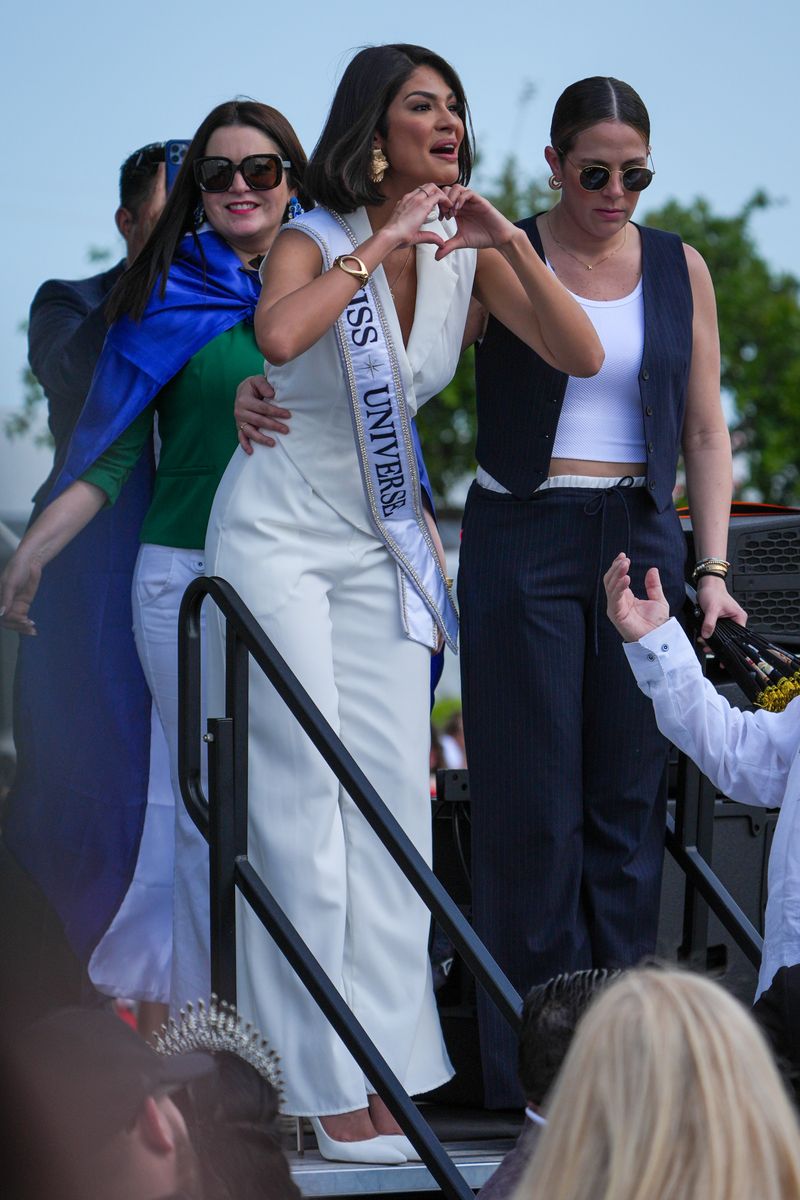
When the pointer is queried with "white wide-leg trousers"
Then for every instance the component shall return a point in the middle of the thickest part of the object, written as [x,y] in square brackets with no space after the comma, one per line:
[135,956]
[162,575]
[326,593]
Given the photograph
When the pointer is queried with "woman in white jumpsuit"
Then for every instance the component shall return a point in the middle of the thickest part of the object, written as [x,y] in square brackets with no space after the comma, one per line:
[293,530]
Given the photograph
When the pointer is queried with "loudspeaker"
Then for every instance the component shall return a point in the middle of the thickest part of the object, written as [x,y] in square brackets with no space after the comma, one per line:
[764,553]
[455,987]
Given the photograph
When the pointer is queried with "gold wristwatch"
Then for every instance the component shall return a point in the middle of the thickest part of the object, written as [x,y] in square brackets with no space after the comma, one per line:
[352,266]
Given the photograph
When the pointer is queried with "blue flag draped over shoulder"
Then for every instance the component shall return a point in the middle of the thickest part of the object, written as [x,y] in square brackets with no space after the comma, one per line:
[82,707]
[202,300]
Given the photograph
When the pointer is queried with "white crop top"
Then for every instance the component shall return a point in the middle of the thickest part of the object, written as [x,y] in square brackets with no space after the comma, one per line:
[601,417]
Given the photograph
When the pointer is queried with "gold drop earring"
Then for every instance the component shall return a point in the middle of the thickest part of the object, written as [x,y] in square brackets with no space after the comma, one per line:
[379,165]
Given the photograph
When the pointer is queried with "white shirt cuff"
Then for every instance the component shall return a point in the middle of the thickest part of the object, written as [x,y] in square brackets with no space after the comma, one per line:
[664,649]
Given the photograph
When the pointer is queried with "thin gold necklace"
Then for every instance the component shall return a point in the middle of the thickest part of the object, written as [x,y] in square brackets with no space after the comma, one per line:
[396,279]
[585,265]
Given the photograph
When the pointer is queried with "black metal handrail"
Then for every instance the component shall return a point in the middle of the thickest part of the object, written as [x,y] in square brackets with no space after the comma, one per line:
[222,819]
[689,839]
[716,895]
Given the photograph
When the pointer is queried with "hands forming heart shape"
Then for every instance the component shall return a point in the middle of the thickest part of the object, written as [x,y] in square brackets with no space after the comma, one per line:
[478,224]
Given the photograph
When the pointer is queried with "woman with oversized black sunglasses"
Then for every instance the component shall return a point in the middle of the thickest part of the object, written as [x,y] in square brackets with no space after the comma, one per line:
[181,341]
[568,822]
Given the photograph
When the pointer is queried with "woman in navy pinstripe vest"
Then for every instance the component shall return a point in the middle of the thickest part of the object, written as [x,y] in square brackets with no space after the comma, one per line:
[567,767]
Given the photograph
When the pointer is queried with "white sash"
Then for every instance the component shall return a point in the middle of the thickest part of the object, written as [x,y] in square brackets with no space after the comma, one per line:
[385,448]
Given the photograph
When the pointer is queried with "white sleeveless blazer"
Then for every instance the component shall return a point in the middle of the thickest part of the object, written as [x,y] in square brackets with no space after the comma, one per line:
[313,387]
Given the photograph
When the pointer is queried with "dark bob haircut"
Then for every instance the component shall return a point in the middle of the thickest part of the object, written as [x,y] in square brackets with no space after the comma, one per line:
[178,218]
[589,101]
[338,170]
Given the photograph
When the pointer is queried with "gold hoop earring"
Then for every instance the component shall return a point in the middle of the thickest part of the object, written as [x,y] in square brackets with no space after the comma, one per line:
[379,165]
[554,184]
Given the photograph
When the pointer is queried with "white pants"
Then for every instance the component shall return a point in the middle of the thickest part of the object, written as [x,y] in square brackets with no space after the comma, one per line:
[161,577]
[326,593]
[133,957]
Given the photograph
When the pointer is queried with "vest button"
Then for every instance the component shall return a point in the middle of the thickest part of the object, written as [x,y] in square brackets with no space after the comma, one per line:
[650,447]
[652,485]
[645,374]
[648,412]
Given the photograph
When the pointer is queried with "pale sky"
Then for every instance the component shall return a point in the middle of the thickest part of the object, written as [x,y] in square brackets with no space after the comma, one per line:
[85,84]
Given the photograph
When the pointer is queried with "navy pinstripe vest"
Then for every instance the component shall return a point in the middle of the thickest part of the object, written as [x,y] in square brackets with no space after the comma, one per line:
[520,396]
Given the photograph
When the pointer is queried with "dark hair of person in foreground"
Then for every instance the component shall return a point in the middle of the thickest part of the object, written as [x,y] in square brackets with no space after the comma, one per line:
[232,1118]
[549,1016]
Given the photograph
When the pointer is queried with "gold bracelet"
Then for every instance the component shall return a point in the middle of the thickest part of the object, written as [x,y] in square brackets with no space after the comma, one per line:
[704,571]
[720,565]
[352,266]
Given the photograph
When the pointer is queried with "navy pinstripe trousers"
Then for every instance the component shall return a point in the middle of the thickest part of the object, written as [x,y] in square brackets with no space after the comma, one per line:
[567,767]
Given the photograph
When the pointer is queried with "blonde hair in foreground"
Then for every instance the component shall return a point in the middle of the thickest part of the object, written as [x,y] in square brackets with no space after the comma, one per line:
[668,1092]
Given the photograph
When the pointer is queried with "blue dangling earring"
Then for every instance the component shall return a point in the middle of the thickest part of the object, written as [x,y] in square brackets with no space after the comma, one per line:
[199,215]
[295,209]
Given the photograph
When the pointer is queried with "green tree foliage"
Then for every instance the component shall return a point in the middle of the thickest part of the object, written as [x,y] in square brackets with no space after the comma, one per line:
[26,420]
[759,320]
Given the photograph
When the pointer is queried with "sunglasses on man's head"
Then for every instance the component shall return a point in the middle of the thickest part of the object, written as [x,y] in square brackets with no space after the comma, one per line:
[594,177]
[261,172]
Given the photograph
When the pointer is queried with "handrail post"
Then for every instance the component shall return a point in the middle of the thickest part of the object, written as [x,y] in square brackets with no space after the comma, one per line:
[237,706]
[222,852]
[694,824]
[189,708]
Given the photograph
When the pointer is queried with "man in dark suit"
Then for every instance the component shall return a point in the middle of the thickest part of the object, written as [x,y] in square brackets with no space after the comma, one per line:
[67,325]
[549,1016]
[38,966]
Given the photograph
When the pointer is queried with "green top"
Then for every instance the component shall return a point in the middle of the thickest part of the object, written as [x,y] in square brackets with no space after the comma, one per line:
[198,437]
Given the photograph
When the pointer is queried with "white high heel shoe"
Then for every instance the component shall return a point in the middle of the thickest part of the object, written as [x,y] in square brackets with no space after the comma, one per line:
[403,1145]
[381,1149]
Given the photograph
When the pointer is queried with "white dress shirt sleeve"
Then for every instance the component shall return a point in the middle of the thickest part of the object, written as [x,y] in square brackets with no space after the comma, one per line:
[746,754]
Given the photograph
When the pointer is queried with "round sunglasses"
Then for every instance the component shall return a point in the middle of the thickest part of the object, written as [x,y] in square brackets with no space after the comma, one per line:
[594,177]
[261,172]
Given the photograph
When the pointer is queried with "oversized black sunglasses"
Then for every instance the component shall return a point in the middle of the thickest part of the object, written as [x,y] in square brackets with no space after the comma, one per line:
[594,177]
[261,172]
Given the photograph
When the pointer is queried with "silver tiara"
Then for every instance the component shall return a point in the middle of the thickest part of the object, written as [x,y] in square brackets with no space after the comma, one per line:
[216,1028]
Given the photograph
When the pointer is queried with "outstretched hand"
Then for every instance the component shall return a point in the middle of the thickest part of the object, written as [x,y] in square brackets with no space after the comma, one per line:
[18,584]
[631,617]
